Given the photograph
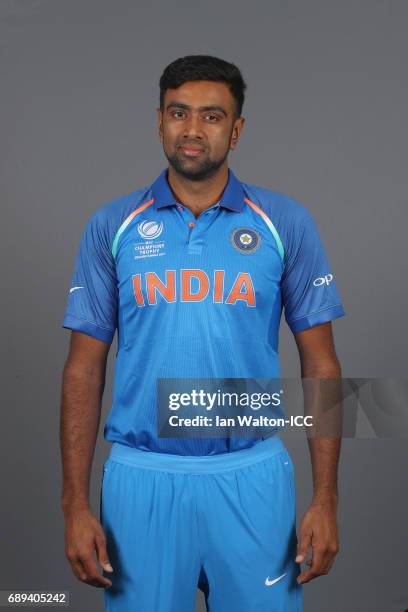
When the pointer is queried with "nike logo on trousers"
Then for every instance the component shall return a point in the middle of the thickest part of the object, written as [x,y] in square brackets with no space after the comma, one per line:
[271,582]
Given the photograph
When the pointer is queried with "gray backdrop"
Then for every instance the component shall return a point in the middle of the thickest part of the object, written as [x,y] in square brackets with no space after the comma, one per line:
[326,123]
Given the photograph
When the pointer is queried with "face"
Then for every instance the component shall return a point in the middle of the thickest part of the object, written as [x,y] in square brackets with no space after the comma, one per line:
[198,127]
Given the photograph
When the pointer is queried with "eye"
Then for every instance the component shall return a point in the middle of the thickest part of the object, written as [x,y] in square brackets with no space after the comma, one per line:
[212,117]
[178,114]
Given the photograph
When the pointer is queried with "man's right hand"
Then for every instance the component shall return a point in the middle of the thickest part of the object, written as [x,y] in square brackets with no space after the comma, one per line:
[83,537]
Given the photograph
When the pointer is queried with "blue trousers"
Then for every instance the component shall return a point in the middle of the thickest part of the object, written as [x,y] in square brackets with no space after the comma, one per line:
[223,523]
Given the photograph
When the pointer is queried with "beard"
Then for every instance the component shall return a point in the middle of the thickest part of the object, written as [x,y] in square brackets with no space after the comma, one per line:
[194,169]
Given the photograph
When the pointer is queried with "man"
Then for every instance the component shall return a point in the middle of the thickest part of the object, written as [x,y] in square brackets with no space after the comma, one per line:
[193,271]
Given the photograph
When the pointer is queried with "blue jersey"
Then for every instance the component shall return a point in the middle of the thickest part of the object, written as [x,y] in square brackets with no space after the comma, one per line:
[195,297]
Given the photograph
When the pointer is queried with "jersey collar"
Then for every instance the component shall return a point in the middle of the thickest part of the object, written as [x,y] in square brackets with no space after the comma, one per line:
[232,197]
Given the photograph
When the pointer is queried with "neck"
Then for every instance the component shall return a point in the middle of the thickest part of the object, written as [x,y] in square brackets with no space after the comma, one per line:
[198,195]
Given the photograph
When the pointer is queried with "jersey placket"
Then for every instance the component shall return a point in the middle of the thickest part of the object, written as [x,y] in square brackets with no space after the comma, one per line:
[196,227]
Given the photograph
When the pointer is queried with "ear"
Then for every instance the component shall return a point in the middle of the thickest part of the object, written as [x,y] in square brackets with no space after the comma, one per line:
[236,132]
[160,123]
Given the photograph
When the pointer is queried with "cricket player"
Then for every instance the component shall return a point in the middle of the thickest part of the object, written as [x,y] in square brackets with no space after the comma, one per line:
[193,271]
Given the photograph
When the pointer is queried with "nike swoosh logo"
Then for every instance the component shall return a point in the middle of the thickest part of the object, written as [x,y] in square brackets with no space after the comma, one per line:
[73,289]
[271,582]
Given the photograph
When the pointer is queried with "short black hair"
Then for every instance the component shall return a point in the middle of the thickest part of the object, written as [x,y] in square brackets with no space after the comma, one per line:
[203,68]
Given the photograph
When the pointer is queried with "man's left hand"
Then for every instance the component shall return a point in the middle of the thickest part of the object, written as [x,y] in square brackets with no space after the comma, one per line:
[319,531]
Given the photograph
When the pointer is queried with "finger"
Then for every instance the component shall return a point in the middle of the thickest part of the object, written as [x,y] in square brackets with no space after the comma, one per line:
[327,561]
[304,543]
[307,576]
[330,557]
[328,567]
[78,570]
[101,553]
[93,576]
[318,564]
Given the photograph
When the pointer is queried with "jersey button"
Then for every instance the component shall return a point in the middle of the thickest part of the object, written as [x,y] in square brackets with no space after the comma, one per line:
[180,208]
[191,224]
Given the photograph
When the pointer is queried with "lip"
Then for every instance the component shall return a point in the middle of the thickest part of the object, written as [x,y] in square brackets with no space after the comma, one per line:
[191,150]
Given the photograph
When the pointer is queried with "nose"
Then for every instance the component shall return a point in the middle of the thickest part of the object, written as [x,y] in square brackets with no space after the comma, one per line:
[192,127]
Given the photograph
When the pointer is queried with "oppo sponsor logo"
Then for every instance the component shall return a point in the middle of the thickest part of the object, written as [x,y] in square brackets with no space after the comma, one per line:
[323,280]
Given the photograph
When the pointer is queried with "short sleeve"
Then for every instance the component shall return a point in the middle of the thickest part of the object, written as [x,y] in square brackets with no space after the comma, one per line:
[93,294]
[309,292]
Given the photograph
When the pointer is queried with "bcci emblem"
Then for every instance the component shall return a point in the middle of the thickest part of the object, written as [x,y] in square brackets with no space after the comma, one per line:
[150,229]
[245,240]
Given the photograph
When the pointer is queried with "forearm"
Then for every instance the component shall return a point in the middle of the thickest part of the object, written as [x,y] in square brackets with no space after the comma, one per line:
[324,454]
[80,417]
[323,400]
